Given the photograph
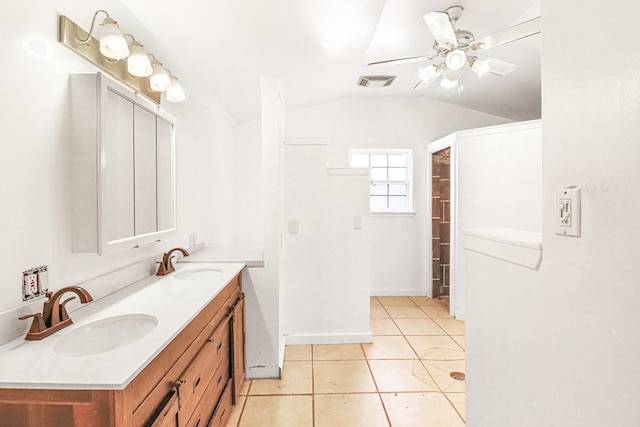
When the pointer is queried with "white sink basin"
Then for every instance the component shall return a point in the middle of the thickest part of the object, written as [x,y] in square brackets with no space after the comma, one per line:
[198,273]
[105,335]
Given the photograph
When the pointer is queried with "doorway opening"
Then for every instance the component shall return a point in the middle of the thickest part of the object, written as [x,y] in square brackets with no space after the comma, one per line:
[441,223]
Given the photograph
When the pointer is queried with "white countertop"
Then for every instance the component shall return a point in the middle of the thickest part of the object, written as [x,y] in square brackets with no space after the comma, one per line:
[250,257]
[174,302]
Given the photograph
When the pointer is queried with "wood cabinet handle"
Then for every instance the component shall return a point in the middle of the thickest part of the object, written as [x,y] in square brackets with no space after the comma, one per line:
[220,346]
[219,379]
[197,423]
[196,383]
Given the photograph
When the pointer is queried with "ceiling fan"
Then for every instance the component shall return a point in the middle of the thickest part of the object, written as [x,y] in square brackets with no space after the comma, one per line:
[454,49]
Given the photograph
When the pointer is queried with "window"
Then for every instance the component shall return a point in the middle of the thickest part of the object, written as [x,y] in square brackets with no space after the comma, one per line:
[391,177]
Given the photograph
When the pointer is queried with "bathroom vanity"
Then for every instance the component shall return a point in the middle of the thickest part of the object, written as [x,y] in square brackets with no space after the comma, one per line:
[160,352]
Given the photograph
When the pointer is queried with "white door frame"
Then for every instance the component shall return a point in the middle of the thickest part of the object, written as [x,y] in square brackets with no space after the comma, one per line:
[441,144]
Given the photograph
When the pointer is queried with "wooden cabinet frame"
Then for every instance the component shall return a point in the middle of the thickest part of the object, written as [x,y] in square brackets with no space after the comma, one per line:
[197,376]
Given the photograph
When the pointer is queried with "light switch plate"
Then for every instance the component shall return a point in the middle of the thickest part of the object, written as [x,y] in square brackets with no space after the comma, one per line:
[568,212]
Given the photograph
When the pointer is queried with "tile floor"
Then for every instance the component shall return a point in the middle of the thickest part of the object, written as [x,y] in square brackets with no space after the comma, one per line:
[402,379]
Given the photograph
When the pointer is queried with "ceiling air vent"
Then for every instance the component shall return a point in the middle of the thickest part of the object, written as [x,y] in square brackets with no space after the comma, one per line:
[375,81]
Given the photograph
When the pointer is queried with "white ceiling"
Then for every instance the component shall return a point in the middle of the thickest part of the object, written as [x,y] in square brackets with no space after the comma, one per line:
[318,49]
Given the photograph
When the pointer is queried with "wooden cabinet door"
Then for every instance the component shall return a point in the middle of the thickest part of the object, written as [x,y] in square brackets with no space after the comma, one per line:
[168,413]
[238,347]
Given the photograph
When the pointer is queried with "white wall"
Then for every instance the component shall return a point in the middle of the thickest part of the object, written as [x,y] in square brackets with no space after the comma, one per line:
[325,256]
[579,365]
[35,221]
[399,259]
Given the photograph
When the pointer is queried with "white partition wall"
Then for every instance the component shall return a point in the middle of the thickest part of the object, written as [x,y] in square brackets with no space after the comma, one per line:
[496,183]
[325,248]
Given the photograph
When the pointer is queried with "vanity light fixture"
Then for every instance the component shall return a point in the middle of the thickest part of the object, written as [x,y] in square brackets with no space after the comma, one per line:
[125,60]
[138,62]
[113,45]
[159,78]
[175,92]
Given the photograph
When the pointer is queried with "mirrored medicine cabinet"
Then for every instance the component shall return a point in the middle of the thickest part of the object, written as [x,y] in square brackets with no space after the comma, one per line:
[123,167]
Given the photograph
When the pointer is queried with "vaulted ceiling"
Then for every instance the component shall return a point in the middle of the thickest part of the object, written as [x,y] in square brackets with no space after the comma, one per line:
[319,49]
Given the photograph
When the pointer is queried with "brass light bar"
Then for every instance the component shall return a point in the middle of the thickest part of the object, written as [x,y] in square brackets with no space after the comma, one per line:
[71,33]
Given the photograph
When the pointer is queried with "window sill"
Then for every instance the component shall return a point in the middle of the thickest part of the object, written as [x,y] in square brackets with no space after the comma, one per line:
[394,214]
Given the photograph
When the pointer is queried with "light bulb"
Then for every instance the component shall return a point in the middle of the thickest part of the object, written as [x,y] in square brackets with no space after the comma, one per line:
[159,79]
[450,79]
[456,59]
[112,42]
[175,92]
[138,63]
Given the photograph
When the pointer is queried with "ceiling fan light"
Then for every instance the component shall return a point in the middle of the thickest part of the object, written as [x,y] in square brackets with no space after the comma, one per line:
[450,79]
[175,92]
[456,59]
[159,79]
[138,63]
[427,73]
[113,45]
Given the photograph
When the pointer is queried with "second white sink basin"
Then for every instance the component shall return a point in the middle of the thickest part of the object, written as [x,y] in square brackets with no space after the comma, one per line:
[105,335]
[197,274]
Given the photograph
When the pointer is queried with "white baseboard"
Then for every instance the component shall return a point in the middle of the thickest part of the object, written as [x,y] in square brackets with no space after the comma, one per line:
[329,339]
[398,292]
[263,372]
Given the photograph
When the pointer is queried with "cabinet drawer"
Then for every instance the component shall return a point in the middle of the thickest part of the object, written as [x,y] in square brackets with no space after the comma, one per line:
[223,410]
[211,396]
[146,391]
[195,379]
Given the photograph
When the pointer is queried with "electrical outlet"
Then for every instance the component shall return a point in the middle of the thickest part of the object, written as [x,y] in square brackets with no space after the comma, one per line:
[35,282]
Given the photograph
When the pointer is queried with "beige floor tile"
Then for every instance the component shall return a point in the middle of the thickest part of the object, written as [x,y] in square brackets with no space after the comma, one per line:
[296,379]
[441,370]
[461,340]
[406,312]
[387,301]
[401,376]
[458,400]
[349,410]
[236,411]
[244,390]
[280,411]
[436,312]
[348,376]
[389,347]
[436,347]
[378,312]
[419,327]
[383,327]
[338,352]
[451,326]
[373,301]
[422,301]
[297,352]
[420,410]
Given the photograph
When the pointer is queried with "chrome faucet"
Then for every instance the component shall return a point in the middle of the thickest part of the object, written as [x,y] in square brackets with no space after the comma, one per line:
[54,314]
[166,265]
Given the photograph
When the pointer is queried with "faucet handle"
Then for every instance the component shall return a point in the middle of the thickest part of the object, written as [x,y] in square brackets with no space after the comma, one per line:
[38,322]
[63,310]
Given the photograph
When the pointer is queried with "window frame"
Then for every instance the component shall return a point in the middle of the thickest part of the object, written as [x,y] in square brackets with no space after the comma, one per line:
[408,181]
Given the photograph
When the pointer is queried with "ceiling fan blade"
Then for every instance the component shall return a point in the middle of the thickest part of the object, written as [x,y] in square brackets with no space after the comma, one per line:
[508,35]
[399,61]
[500,67]
[441,28]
